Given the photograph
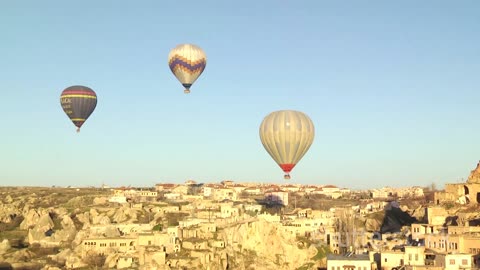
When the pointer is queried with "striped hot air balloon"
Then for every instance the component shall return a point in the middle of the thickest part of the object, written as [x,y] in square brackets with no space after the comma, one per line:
[287,135]
[187,62]
[78,102]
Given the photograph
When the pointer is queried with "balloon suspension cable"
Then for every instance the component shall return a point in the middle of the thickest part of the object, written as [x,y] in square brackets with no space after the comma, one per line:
[286,176]
[186,91]
[78,130]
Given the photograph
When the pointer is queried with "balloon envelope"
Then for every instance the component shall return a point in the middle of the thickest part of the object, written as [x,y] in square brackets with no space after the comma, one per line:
[78,102]
[187,62]
[287,135]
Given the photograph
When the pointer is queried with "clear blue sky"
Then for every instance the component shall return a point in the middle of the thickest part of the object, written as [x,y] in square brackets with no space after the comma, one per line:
[391,86]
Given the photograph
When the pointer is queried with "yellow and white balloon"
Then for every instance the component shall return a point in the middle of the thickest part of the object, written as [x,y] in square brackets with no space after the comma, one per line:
[287,135]
[187,62]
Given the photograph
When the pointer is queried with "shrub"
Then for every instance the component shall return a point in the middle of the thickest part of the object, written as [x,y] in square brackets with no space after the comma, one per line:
[158,227]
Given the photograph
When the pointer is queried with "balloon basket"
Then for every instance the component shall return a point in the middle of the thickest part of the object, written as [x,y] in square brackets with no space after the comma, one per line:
[186,91]
[286,176]
[78,130]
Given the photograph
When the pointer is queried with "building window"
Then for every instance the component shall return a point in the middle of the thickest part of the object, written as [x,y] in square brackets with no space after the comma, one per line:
[464,262]
[452,261]
[386,260]
[333,267]
[409,257]
[416,257]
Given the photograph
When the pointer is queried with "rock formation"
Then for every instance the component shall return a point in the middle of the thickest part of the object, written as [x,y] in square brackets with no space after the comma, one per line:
[8,199]
[8,212]
[100,200]
[474,177]
[4,246]
[270,247]
[373,225]
[32,218]
[41,229]
[61,258]
[395,219]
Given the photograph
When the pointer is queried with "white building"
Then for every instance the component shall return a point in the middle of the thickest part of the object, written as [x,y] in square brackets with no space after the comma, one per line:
[352,262]
[172,196]
[220,194]
[207,191]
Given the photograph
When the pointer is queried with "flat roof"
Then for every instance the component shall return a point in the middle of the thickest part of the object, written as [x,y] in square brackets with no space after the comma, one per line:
[353,257]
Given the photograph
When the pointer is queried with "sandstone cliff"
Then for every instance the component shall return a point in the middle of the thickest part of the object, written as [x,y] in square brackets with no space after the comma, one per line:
[262,245]
[474,177]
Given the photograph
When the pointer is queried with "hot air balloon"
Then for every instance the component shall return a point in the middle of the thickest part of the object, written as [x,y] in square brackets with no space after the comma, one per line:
[78,102]
[187,62]
[287,135]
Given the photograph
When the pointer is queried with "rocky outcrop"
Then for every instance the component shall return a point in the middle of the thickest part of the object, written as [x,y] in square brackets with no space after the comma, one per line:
[61,258]
[74,261]
[79,237]
[120,216]
[4,247]
[84,218]
[44,223]
[100,200]
[41,230]
[8,199]
[66,235]
[395,219]
[8,212]
[265,245]
[111,260]
[124,215]
[417,213]
[474,177]
[101,220]
[22,255]
[467,218]
[373,225]
[31,219]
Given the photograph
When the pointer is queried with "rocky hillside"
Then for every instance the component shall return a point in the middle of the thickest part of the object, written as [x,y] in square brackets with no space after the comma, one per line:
[42,228]
[261,245]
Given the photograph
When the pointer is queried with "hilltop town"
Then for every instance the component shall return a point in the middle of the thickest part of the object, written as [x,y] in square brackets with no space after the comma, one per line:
[229,225]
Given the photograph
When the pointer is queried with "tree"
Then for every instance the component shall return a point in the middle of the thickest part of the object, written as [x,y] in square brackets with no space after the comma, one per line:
[158,227]
[95,260]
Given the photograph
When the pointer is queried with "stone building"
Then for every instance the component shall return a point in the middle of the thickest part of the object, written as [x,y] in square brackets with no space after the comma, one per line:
[411,255]
[463,193]
[348,262]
